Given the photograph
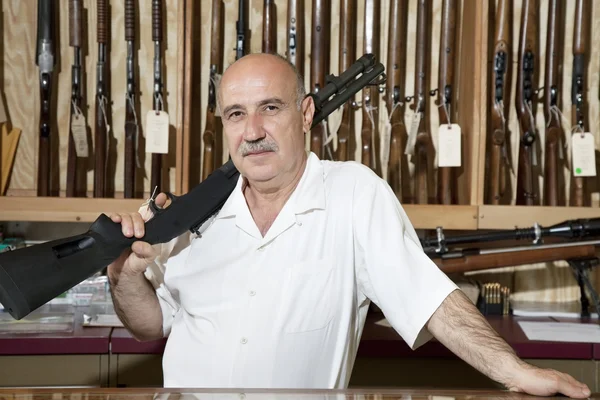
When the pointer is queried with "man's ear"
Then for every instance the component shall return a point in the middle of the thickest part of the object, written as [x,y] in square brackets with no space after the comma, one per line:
[308,111]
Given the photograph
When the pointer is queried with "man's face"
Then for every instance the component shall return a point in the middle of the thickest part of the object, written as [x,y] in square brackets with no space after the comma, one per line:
[261,121]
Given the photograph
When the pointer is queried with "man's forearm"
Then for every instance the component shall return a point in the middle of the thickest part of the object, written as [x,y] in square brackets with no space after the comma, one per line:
[459,326]
[137,306]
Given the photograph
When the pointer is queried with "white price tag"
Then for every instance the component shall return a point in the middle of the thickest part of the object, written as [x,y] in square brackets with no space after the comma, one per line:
[385,146]
[449,145]
[157,132]
[584,154]
[78,130]
[412,135]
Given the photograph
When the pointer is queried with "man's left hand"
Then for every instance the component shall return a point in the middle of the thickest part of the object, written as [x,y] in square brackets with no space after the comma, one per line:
[547,382]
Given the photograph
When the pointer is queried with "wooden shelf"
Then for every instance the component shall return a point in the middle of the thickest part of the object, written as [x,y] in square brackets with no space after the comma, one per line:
[60,209]
[509,217]
[430,216]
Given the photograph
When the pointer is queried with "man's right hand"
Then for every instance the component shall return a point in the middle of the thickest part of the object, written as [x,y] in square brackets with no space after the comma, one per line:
[134,261]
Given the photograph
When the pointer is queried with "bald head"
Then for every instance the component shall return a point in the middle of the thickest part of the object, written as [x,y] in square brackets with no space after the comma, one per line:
[261,65]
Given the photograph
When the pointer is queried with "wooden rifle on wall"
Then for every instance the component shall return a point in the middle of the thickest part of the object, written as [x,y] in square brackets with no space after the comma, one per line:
[76,169]
[295,34]
[420,138]
[370,95]
[552,85]
[500,99]
[131,121]
[578,88]
[396,70]
[211,137]
[446,192]
[524,101]
[102,101]
[269,41]
[46,58]
[319,63]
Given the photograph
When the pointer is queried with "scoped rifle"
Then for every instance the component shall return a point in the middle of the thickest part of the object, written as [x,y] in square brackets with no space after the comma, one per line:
[32,276]
[346,140]
[578,248]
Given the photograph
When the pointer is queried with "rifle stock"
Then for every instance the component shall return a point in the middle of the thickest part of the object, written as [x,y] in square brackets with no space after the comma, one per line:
[500,98]
[524,104]
[269,42]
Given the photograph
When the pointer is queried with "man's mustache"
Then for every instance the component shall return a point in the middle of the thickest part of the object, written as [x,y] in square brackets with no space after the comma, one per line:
[256,147]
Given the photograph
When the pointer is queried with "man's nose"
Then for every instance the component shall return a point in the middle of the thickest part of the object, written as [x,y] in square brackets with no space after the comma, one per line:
[254,128]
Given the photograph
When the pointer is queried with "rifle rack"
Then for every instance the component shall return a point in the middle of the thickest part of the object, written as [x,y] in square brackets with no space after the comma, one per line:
[187,57]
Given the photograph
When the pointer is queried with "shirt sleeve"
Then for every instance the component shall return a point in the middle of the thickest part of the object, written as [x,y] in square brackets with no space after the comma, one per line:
[392,269]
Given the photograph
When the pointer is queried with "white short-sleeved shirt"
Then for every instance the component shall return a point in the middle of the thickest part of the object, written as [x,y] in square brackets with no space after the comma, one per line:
[287,310]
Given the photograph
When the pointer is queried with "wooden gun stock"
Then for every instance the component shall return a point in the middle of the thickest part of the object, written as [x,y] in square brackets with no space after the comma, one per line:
[210,137]
[524,101]
[423,139]
[269,41]
[478,262]
[551,99]
[370,115]
[347,55]
[295,34]
[446,184]
[101,141]
[500,98]
[321,12]
[578,85]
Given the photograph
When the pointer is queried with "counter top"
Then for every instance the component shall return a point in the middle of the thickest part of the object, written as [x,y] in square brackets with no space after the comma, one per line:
[241,394]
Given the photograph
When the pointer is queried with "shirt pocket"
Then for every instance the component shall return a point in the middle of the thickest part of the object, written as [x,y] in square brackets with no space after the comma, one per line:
[307,302]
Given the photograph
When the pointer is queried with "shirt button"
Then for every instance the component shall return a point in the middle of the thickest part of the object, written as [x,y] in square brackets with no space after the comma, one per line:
[244,340]
[252,293]
[242,395]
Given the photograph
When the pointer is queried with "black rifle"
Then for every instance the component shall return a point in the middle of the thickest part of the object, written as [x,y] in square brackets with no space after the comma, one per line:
[32,276]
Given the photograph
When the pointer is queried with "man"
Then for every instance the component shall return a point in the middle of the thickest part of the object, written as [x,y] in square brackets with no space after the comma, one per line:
[275,291]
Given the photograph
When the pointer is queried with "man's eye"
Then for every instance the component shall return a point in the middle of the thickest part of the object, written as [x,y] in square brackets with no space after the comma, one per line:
[271,108]
[235,114]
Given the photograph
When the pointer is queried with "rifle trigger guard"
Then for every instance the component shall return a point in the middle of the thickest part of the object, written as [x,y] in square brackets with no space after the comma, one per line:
[156,210]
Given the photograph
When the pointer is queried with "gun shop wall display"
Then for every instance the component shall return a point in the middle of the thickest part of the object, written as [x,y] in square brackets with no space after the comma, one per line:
[395,129]
[92,85]
[542,103]
[117,100]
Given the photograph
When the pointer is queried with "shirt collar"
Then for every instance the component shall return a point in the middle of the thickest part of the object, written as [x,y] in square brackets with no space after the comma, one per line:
[308,195]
